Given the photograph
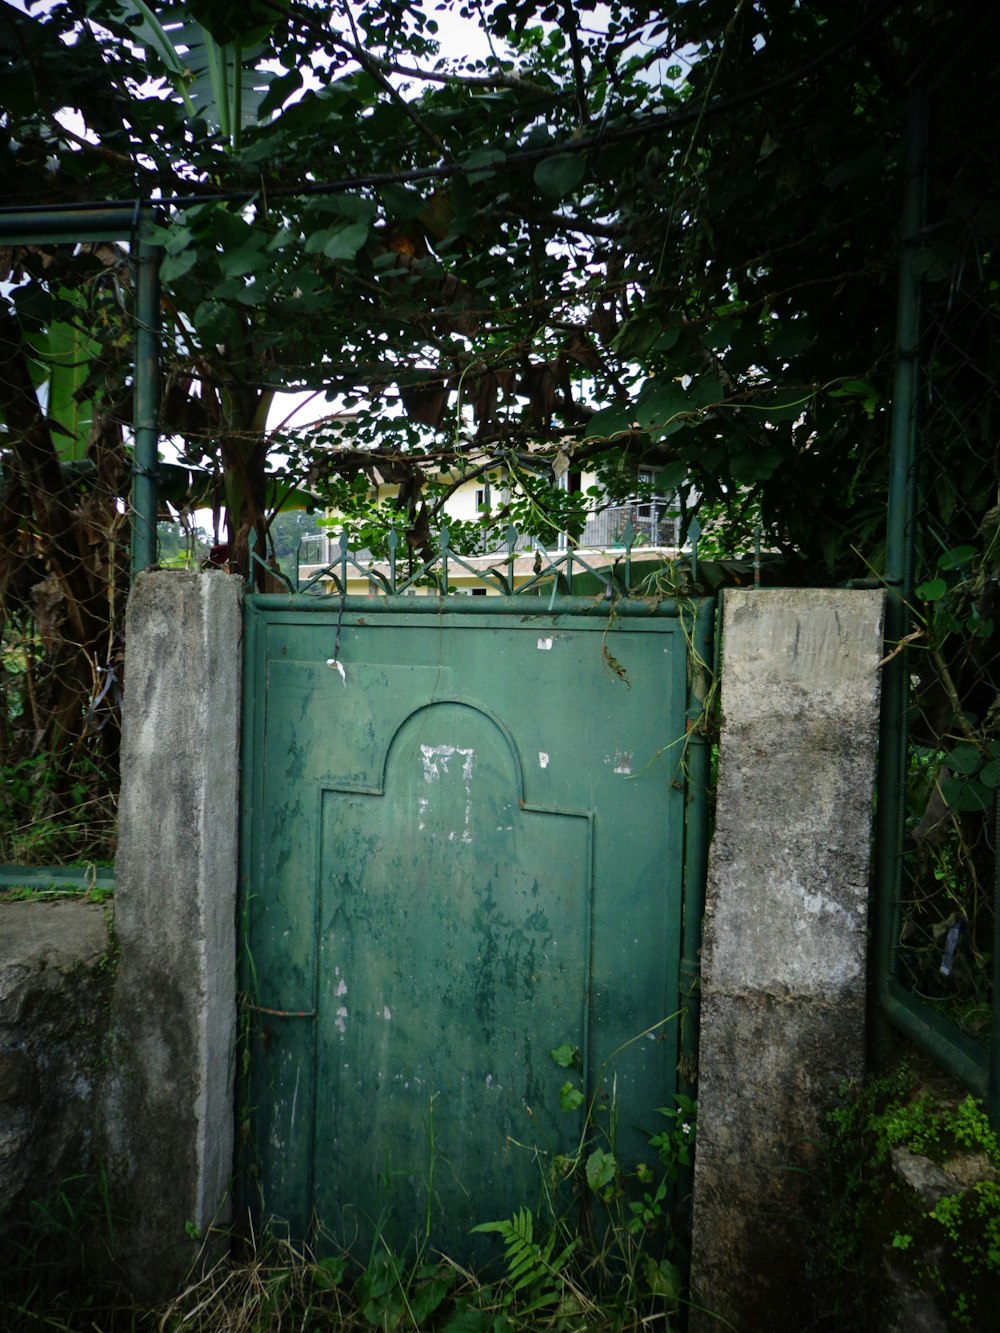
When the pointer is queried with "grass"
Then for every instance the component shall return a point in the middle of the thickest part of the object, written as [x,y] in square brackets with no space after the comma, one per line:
[269,1285]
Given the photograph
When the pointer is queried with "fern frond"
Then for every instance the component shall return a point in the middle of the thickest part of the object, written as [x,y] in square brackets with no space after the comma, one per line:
[531,1270]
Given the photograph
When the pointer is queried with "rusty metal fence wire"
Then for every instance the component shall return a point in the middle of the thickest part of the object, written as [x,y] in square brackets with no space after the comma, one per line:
[936,951]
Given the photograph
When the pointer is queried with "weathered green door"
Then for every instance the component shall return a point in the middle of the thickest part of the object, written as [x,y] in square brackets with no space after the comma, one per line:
[463,853]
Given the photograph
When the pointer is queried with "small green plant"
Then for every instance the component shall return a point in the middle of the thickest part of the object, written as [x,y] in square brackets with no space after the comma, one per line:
[56,1254]
[951,1245]
[535,1272]
[608,1238]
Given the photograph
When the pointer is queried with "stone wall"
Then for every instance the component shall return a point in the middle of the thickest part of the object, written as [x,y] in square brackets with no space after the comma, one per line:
[56,971]
[117,1049]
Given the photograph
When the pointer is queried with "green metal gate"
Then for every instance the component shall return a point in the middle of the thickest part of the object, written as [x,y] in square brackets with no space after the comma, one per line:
[464,845]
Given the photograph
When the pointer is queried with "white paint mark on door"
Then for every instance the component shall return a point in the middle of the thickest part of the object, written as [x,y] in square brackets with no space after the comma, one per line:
[435,760]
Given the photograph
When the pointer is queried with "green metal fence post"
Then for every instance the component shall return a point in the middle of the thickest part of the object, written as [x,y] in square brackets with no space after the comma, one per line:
[696,834]
[147,339]
[899,562]
[993,1076]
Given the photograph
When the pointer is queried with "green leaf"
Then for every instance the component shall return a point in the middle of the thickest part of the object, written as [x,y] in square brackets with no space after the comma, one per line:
[175,266]
[352,206]
[756,465]
[601,1168]
[966,794]
[959,555]
[706,390]
[570,1097]
[638,334]
[429,1295]
[338,242]
[609,422]
[791,338]
[932,591]
[859,389]
[673,475]
[990,774]
[279,92]
[470,1321]
[244,259]
[560,175]
[660,402]
[67,354]
[173,239]
[480,164]
[566,1056]
[401,202]
[328,1273]
[33,304]
[963,759]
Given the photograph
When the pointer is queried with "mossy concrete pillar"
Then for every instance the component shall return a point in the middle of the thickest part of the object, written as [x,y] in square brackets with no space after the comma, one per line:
[783,966]
[170,1098]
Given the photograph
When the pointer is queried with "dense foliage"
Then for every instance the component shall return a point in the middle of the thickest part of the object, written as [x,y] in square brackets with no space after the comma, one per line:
[622,232]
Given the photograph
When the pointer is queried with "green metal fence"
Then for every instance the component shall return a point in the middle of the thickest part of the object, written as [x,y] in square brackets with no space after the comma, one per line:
[936,947]
[66,584]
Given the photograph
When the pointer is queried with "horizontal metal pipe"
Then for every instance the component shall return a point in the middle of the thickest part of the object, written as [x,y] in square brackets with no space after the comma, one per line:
[108,222]
[56,877]
[544,608]
[946,1045]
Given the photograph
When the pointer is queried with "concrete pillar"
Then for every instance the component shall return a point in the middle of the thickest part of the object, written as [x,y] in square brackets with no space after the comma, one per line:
[783,966]
[169,1106]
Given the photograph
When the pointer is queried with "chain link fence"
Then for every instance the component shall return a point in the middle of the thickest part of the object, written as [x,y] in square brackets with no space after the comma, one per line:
[945,928]
[66,394]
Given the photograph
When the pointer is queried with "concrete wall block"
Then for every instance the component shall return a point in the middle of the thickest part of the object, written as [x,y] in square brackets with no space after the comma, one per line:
[55,986]
[783,963]
[170,1107]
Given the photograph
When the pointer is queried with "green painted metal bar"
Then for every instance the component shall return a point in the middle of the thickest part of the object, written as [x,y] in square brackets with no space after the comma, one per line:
[696,834]
[596,608]
[949,1047]
[993,1075]
[147,380]
[67,224]
[905,1011]
[57,877]
[898,569]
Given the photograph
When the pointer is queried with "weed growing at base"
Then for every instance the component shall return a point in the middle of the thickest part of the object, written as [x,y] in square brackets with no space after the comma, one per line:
[604,1253]
[949,1247]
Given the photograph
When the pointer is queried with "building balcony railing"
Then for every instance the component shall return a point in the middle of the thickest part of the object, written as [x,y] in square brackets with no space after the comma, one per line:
[654,523]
